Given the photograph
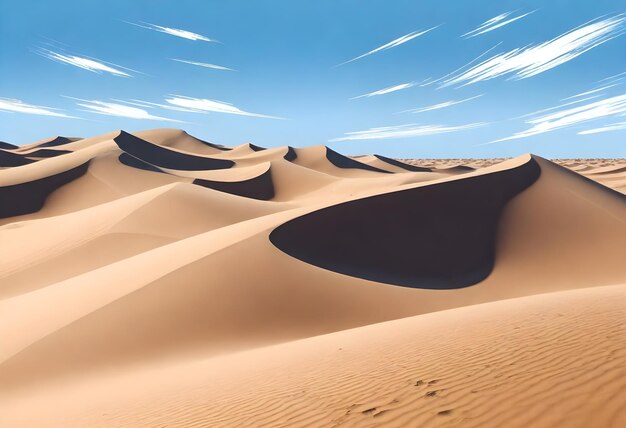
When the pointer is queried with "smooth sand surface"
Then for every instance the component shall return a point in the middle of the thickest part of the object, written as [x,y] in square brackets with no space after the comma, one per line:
[156,279]
[514,363]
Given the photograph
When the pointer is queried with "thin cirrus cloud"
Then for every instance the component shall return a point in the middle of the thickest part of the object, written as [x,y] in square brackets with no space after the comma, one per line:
[386,90]
[204,64]
[118,110]
[494,23]
[173,32]
[200,105]
[392,44]
[571,116]
[608,128]
[593,91]
[403,131]
[18,106]
[440,105]
[86,63]
[522,63]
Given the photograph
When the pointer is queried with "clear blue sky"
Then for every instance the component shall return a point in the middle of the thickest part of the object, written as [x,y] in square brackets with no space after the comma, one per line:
[286,55]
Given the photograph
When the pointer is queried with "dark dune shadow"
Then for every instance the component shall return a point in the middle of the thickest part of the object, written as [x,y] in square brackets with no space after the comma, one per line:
[8,159]
[215,146]
[403,165]
[46,153]
[440,236]
[165,158]
[291,154]
[457,169]
[341,161]
[256,148]
[7,146]
[260,187]
[131,161]
[58,141]
[29,197]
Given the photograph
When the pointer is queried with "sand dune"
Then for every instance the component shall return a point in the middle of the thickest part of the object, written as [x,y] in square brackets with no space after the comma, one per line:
[4,145]
[166,157]
[153,279]
[8,159]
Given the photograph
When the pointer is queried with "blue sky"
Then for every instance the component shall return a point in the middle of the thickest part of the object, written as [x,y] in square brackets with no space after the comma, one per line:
[288,87]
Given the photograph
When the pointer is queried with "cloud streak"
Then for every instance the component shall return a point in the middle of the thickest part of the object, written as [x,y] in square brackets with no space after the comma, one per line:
[18,106]
[173,32]
[571,116]
[86,63]
[392,44]
[494,23]
[593,91]
[386,90]
[440,105]
[204,64]
[403,131]
[201,105]
[118,110]
[608,128]
[522,63]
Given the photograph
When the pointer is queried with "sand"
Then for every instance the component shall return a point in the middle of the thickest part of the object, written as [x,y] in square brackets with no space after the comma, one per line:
[155,279]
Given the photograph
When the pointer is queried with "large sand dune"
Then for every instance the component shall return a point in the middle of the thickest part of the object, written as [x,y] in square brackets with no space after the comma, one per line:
[154,279]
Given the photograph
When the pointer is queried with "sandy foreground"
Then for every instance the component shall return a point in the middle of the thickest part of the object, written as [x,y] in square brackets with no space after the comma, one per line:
[155,279]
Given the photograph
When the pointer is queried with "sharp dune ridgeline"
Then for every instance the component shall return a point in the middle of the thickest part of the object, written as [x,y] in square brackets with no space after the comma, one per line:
[156,279]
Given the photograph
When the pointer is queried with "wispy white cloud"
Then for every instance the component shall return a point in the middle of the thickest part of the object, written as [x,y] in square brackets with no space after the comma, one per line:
[560,106]
[201,105]
[119,110]
[18,106]
[586,93]
[616,78]
[173,32]
[86,63]
[463,67]
[494,23]
[571,116]
[403,131]
[526,62]
[204,64]
[440,105]
[386,90]
[392,44]
[608,128]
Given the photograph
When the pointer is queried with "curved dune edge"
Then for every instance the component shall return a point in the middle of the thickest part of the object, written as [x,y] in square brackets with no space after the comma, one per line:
[7,146]
[260,187]
[180,140]
[514,363]
[402,165]
[341,161]
[388,164]
[134,162]
[45,153]
[30,196]
[10,159]
[165,157]
[440,236]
